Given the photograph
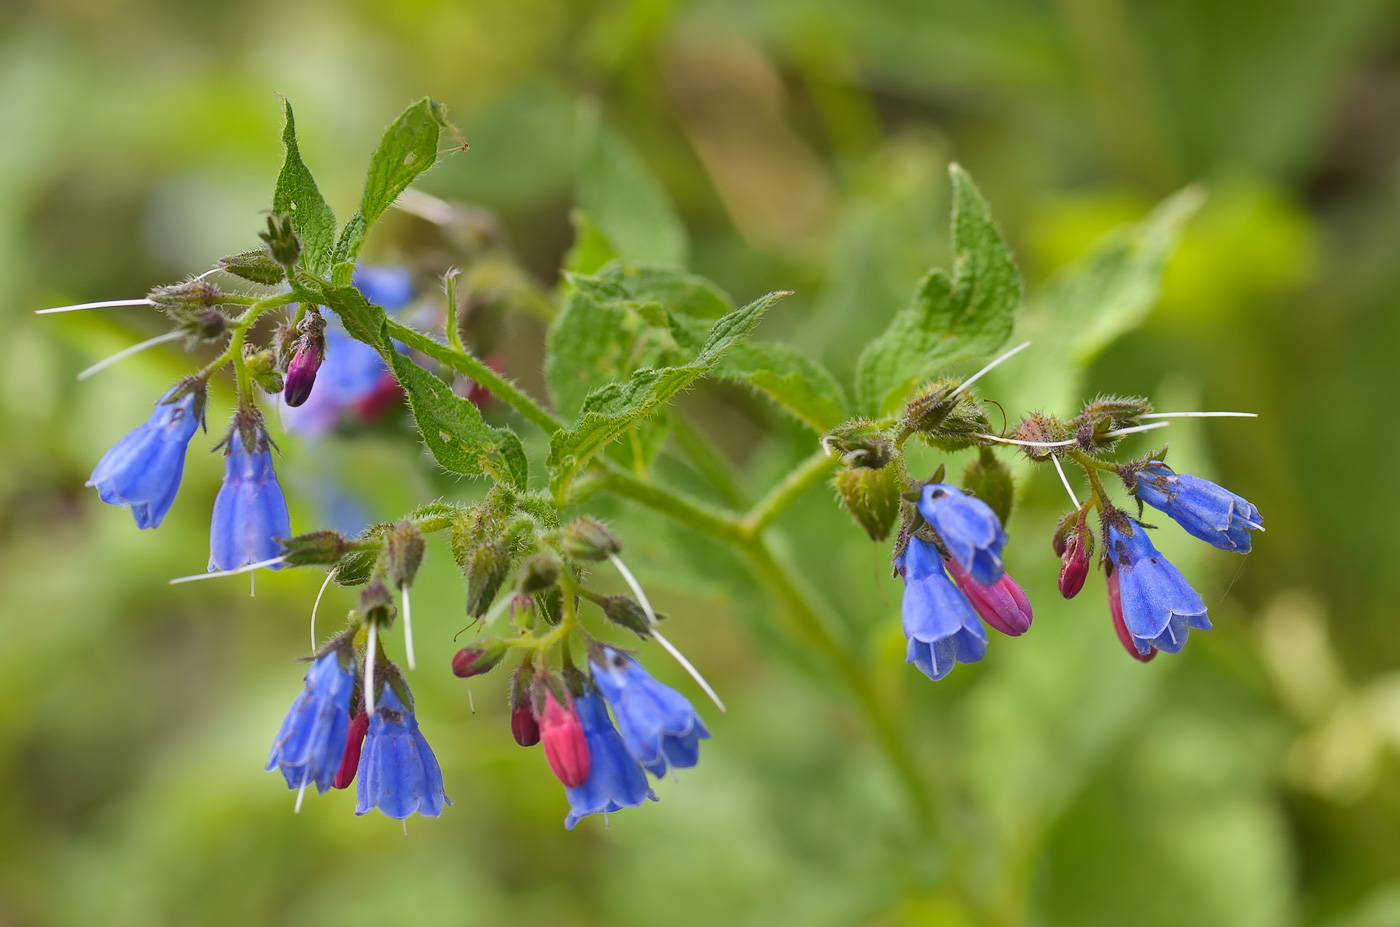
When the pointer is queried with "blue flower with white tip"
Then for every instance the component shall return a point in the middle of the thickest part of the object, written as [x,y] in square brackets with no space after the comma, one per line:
[250,511]
[1159,606]
[658,725]
[940,624]
[398,772]
[1206,510]
[968,528]
[144,469]
[615,780]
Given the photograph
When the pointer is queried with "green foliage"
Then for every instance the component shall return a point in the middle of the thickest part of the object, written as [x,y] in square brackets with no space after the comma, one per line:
[610,410]
[297,196]
[951,317]
[796,382]
[452,427]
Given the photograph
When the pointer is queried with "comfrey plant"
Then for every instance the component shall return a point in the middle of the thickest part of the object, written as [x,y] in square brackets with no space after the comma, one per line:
[624,340]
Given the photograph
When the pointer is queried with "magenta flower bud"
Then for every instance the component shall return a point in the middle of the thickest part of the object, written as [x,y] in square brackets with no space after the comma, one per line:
[523,726]
[1120,627]
[564,744]
[1003,604]
[301,372]
[1074,565]
[354,743]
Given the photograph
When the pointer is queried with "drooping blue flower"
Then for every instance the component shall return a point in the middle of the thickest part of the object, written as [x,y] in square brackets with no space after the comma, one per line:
[1206,510]
[969,528]
[1159,605]
[311,741]
[398,773]
[615,780]
[658,725]
[144,468]
[389,287]
[250,511]
[940,624]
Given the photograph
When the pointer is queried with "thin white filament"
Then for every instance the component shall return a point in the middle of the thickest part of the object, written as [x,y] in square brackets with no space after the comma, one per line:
[1135,429]
[495,612]
[1252,524]
[978,375]
[371,648]
[404,821]
[134,349]
[408,631]
[301,792]
[1020,443]
[1065,480]
[103,304]
[471,702]
[252,584]
[670,648]
[424,206]
[1200,415]
[317,604]
[234,572]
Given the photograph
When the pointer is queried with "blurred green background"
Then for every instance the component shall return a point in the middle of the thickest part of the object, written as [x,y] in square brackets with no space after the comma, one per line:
[1251,780]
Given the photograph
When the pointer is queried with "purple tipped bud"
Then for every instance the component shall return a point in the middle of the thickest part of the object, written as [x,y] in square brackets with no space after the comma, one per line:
[482,658]
[1120,627]
[301,372]
[1003,604]
[1074,561]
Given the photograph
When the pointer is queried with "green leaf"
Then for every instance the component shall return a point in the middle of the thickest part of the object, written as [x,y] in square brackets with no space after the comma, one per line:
[610,410]
[590,250]
[1092,302]
[798,384]
[452,427]
[626,205]
[297,196]
[952,317]
[408,148]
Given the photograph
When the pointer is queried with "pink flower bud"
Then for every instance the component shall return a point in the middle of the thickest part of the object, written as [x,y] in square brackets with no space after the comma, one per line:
[1074,564]
[301,372]
[354,740]
[524,726]
[564,743]
[1115,607]
[1003,604]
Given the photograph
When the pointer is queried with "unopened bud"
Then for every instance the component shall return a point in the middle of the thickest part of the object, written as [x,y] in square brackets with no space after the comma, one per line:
[1040,428]
[354,743]
[859,443]
[262,365]
[1074,560]
[944,417]
[376,604]
[564,744]
[301,374]
[624,611]
[283,246]
[871,496]
[203,324]
[539,572]
[316,548]
[403,553]
[1003,604]
[193,296]
[481,657]
[523,725]
[256,266]
[487,566]
[589,539]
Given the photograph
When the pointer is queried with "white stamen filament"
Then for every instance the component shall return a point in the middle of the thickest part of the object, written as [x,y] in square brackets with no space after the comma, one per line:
[405,826]
[408,631]
[1065,480]
[134,349]
[371,649]
[252,584]
[1135,429]
[103,304]
[424,206]
[1252,524]
[234,572]
[317,604]
[978,375]
[471,702]
[1200,415]
[670,648]
[301,792]
[500,605]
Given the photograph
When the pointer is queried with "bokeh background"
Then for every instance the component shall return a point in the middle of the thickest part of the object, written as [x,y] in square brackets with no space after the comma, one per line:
[1250,780]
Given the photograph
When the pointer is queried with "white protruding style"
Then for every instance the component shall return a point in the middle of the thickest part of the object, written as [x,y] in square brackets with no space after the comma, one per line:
[371,650]
[978,375]
[102,304]
[317,604]
[1200,415]
[1065,480]
[1019,443]
[134,349]
[247,568]
[408,631]
[1135,429]
[670,648]
[301,792]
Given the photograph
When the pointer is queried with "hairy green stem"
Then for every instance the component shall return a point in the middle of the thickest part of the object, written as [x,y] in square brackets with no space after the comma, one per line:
[714,468]
[809,473]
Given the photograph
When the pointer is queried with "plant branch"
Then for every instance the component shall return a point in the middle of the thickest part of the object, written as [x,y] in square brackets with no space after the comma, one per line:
[809,473]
